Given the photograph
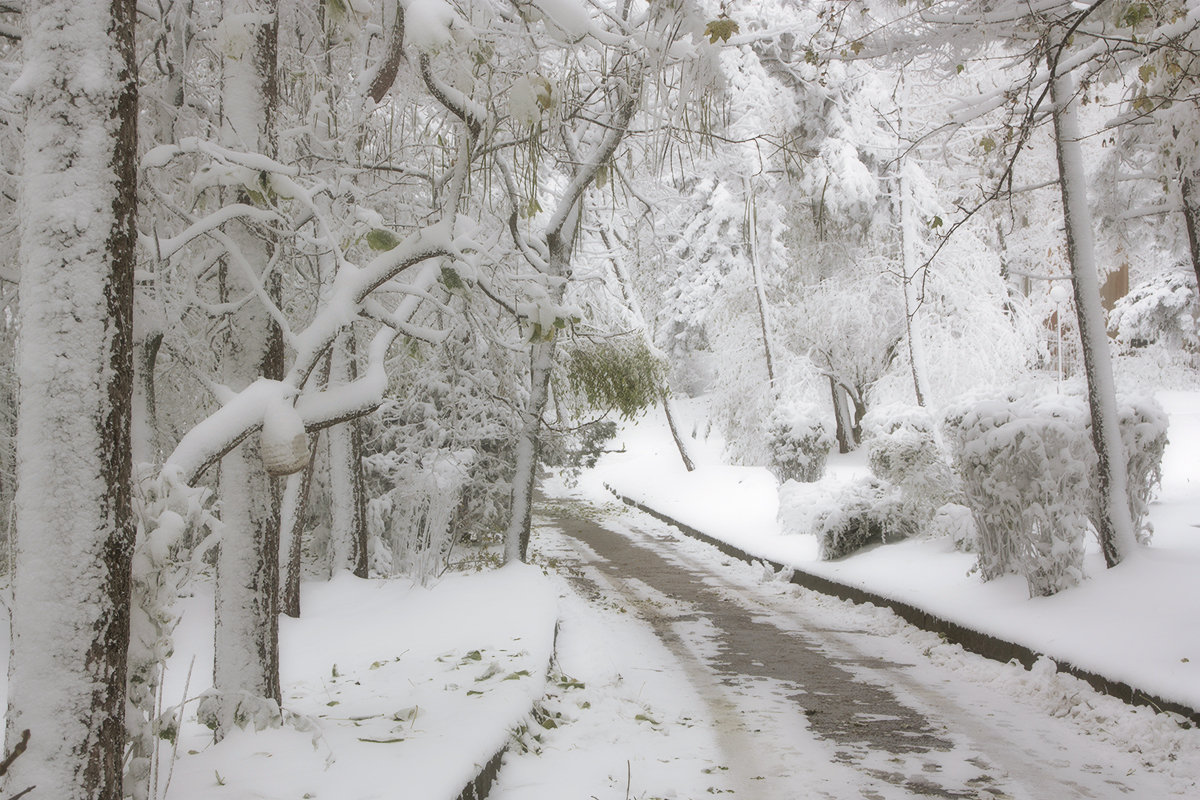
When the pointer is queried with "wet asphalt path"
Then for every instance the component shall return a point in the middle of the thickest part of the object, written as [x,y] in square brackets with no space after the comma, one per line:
[806,704]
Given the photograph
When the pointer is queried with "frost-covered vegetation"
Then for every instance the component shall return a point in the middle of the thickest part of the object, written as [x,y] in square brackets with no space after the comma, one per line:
[334,282]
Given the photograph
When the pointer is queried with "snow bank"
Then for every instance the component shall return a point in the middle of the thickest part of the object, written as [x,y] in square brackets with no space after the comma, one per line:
[409,691]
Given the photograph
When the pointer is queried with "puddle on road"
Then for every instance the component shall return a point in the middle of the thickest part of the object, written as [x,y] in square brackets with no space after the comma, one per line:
[863,721]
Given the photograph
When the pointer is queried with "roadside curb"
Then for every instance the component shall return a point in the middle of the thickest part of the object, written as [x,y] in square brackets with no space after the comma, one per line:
[974,641]
[479,786]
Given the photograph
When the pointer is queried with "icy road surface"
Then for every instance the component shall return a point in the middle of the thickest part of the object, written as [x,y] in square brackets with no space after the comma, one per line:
[685,674]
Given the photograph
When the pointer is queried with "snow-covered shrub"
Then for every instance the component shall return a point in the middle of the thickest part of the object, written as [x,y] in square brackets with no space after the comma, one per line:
[864,512]
[1144,439]
[905,452]
[798,443]
[1025,464]
[1029,472]
[1163,309]
[170,516]
[800,504]
[956,523]
[416,517]
[890,417]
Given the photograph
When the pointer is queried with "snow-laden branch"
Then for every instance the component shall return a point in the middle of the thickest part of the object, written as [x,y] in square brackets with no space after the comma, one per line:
[163,154]
[600,156]
[163,249]
[242,414]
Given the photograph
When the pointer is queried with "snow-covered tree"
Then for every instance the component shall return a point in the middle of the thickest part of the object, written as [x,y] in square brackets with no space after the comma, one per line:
[74,522]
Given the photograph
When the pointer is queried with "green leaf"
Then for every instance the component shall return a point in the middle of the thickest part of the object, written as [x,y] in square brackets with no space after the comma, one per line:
[1146,72]
[988,144]
[382,741]
[512,676]
[380,239]
[959,69]
[452,282]
[474,655]
[936,222]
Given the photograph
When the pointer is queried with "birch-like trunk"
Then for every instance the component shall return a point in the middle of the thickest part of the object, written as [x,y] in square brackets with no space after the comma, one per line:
[1115,522]
[74,526]
[908,248]
[246,653]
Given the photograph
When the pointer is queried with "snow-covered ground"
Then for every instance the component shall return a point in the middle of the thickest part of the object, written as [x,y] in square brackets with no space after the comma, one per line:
[391,689]
[408,691]
[1135,623]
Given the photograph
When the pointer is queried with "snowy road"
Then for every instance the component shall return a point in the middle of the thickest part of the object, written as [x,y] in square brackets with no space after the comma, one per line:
[761,690]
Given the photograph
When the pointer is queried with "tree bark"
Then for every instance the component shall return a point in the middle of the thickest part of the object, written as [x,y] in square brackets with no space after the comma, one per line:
[246,652]
[74,524]
[348,528]
[840,417]
[1190,192]
[291,532]
[688,463]
[908,247]
[1115,522]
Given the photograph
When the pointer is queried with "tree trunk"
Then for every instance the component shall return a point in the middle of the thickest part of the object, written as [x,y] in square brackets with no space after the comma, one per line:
[348,527]
[291,532]
[908,247]
[1115,522]
[74,525]
[750,239]
[840,417]
[627,293]
[246,649]
[688,464]
[529,440]
[1190,191]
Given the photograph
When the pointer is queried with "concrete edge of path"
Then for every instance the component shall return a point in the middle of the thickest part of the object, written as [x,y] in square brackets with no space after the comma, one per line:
[974,641]
[479,786]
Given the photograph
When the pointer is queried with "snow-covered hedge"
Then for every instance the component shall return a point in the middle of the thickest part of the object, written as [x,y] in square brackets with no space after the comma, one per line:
[1028,472]
[798,443]
[904,451]
[1163,309]
[864,512]
[1144,439]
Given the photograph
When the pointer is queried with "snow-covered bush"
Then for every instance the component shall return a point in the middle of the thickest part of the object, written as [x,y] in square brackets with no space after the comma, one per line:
[1029,471]
[798,443]
[414,522]
[1025,464]
[955,522]
[1144,439]
[904,451]
[168,551]
[864,512]
[1163,309]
